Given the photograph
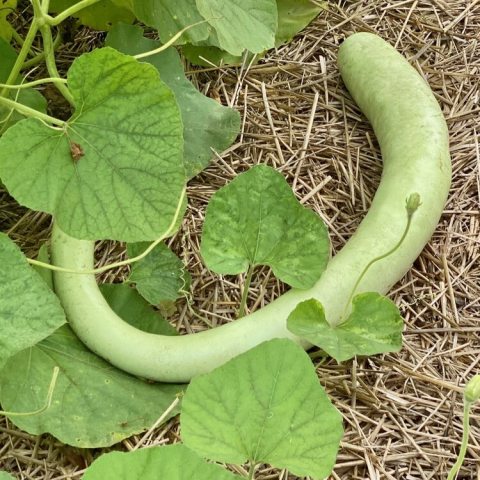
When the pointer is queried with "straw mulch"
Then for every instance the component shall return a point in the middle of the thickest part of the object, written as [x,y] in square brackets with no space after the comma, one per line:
[402,412]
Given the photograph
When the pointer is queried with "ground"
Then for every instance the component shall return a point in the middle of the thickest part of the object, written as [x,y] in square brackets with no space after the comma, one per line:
[402,412]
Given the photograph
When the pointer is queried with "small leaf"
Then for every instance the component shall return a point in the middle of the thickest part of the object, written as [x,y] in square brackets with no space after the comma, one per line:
[241,24]
[256,220]
[127,182]
[129,305]
[293,16]
[5,476]
[100,16]
[264,406]
[374,326]
[94,404]
[170,17]
[207,125]
[6,8]
[172,462]
[29,310]
[160,276]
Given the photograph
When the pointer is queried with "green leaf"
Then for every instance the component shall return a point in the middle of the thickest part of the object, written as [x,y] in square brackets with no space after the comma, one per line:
[161,276]
[207,124]
[94,404]
[6,8]
[127,180]
[293,16]
[5,476]
[45,273]
[256,220]
[129,305]
[241,24]
[264,406]
[173,462]
[29,97]
[29,311]
[374,326]
[170,17]
[100,16]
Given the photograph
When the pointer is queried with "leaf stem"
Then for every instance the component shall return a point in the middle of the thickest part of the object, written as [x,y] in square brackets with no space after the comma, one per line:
[48,402]
[33,83]
[58,19]
[169,43]
[246,287]
[122,263]
[30,112]
[49,49]
[463,448]
[251,471]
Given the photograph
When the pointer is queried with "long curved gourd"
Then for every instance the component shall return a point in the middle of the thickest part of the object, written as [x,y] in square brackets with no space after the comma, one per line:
[414,142]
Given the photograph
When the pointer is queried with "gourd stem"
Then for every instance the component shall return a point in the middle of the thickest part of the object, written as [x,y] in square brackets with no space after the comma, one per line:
[377,259]
[463,448]
[246,287]
[251,471]
[32,62]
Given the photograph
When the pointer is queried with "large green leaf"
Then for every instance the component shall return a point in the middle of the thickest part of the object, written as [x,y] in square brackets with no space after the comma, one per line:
[30,97]
[129,305]
[115,170]
[170,17]
[5,476]
[6,8]
[374,326]
[160,276]
[101,15]
[207,124]
[256,220]
[264,406]
[94,404]
[173,462]
[293,16]
[29,310]
[241,24]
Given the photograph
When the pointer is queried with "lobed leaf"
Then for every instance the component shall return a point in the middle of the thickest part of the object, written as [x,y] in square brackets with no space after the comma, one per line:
[172,462]
[207,125]
[264,406]
[29,310]
[94,404]
[115,171]
[256,220]
[374,326]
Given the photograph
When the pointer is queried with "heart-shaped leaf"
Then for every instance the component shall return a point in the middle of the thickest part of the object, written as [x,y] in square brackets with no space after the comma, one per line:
[374,326]
[264,406]
[256,220]
[115,170]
